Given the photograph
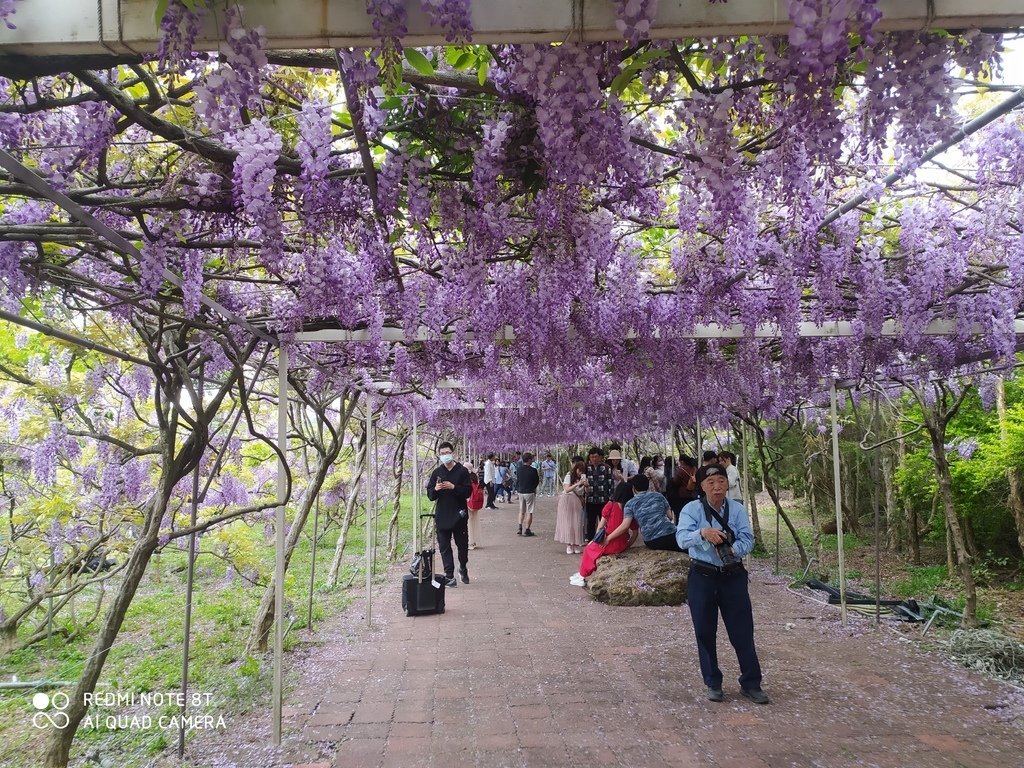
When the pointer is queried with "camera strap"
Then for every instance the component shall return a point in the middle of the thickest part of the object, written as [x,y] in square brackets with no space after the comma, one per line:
[710,512]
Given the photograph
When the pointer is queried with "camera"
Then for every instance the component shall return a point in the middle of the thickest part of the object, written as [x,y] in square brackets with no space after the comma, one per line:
[724,550]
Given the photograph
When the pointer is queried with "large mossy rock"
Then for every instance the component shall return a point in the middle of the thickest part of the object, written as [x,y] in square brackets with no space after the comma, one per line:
[640,576]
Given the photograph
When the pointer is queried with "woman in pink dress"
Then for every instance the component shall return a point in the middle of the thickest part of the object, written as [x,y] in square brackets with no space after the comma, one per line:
[569,518]
[614,535]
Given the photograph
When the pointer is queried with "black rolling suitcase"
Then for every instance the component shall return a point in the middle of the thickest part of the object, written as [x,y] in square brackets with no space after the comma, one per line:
[423,590]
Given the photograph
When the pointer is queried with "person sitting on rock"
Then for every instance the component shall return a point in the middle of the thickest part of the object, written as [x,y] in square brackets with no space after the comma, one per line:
[615,534]
[653,514]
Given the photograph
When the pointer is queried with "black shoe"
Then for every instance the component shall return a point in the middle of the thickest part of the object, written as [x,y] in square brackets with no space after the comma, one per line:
[451,582]
[757,696]
[528,532]
[714,694]
[464,573]
[520,531]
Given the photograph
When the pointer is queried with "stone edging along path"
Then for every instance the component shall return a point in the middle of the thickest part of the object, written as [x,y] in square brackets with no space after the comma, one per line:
[525,670]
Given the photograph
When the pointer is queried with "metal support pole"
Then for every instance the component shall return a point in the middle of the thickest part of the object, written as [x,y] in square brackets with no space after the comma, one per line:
[839,503]
[778,543]
[282,446]
[699,449]
[189,582]
[415,483]
[376,493]
[370,503]
[876,497]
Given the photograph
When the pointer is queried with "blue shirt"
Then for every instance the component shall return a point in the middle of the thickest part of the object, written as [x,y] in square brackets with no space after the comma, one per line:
[692,519]
[650,509]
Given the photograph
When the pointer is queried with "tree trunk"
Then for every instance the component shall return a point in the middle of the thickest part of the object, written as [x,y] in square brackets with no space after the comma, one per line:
[811,447]
[937,431]
[264,620]
[350,509]
[1015,501]
[397,473]
[749,497]
[58,743]
[848,479]
[950,555]
[914,528]
[769,486]
[8,637]
[329,451]
[895,523]
[876,476]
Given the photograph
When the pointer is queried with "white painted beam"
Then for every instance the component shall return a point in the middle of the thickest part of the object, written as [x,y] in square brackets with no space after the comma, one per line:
[62,27]
[834,328]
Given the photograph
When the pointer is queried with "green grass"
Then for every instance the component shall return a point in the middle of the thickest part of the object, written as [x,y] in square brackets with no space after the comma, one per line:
[147,655]
[830,541]
[921,581]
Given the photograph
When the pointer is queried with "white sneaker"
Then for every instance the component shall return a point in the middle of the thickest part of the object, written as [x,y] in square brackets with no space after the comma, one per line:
[577,581]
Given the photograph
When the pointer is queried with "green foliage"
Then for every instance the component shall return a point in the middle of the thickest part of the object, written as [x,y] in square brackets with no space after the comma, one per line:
[419,62]
[830,541]
[979,481]
[988,567]
[921,581]
[148,653]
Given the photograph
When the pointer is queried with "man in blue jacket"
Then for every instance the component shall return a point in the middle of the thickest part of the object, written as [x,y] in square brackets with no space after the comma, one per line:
[717,535]
[450,487]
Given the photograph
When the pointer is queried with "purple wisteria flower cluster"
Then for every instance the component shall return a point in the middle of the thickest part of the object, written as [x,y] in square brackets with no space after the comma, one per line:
[544,216]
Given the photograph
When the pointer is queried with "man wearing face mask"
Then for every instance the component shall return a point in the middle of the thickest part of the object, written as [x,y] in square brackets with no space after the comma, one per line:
[450,487]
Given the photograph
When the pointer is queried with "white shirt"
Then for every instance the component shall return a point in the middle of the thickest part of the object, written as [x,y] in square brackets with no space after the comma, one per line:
[629,468]
[488,471]
[735,491]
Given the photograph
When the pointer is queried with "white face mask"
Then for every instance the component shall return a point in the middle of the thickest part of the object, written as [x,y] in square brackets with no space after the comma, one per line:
[446,458]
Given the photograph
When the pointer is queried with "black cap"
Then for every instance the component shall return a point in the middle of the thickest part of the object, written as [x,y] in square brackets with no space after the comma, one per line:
[711,470]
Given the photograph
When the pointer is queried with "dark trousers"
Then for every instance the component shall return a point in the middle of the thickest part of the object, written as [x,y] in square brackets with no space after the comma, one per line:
[709,594]
[593,515]
[444,545]
[490,494]
[667,543]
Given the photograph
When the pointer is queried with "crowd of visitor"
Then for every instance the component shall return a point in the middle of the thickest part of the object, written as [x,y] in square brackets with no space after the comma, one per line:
[607,503]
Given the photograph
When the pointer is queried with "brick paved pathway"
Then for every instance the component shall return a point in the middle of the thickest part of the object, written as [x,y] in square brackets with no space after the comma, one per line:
[525,670]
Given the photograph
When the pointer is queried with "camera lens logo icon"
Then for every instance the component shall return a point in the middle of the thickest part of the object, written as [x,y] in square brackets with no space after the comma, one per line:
[58,719]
